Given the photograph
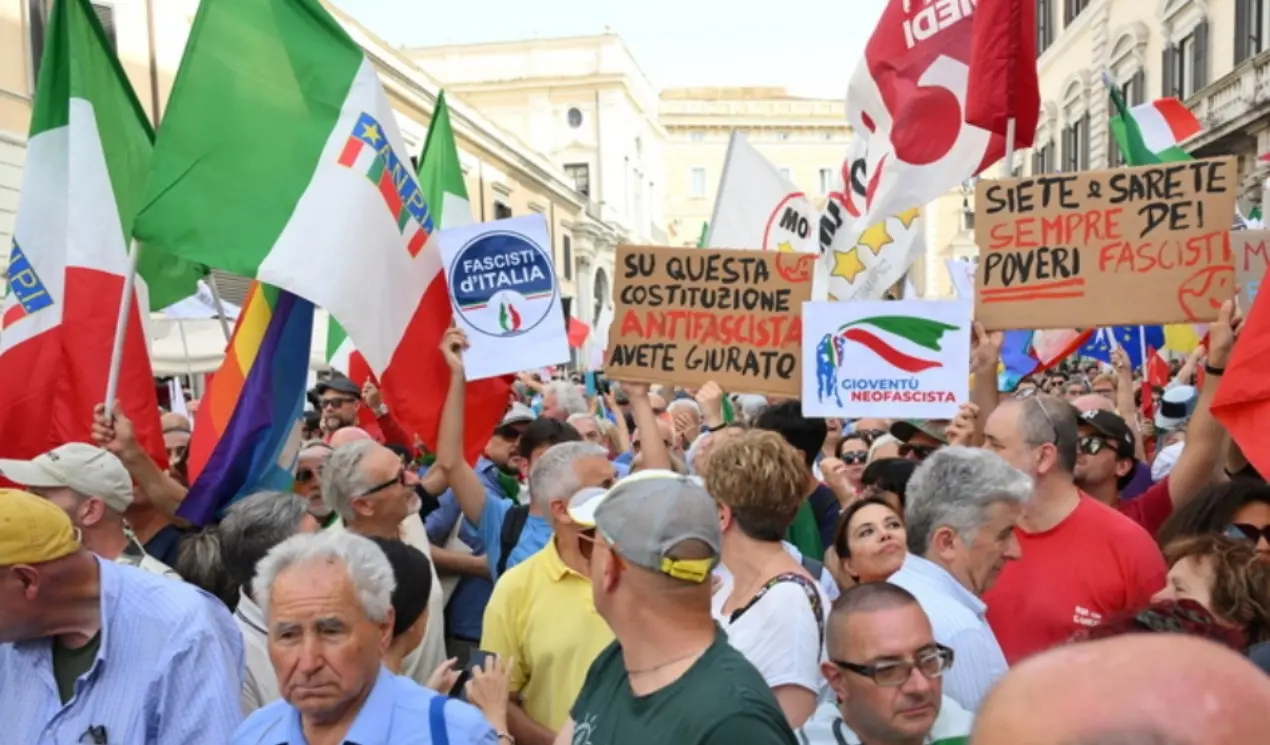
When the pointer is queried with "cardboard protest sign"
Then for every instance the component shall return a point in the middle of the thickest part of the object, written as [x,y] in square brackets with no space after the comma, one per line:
[1123,247]
[505,296]
[905,359]
[686,316]
[1252,252]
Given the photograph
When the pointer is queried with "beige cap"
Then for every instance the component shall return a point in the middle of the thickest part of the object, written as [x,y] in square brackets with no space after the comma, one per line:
[86,469]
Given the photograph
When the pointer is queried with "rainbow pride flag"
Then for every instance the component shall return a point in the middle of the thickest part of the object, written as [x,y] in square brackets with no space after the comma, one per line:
[247,431]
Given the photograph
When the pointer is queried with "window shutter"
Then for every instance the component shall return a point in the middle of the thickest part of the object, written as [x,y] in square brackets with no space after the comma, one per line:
[37,21]
[1242,34]
[106,16]
[1139,86]
[1168,72]
[1200,63]
[1084,142]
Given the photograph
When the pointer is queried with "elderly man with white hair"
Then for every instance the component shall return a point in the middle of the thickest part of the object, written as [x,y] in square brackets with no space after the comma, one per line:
[328,600]
[961,510]
[374,495]
[562,399]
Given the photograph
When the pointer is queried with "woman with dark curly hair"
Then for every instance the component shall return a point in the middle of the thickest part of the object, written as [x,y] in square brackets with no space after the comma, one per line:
[1227,577]
[1238,508]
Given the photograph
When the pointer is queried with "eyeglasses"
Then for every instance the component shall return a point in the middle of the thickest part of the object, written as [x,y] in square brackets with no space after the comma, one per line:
[586,543]
[932,662]
[917,452]
[336,402]
[1049,419]
[1091,445]
[855,458]
[1248,532]
[399,479]
[303,475]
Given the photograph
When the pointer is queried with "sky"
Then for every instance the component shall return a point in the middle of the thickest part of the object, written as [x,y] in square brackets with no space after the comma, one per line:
[811,48]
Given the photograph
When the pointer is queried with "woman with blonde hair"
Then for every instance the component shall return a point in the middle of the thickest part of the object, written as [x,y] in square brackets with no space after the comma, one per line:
[770,605]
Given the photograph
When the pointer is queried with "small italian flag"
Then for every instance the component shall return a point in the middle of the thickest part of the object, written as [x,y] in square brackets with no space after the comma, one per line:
[508,317]
[904,342]
[1151,132]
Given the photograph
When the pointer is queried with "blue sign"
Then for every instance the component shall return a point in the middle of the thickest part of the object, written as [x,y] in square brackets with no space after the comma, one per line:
[503,283]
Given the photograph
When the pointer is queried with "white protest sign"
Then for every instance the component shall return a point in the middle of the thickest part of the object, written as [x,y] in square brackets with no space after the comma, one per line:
[962,274]
[505,296]
[898,359]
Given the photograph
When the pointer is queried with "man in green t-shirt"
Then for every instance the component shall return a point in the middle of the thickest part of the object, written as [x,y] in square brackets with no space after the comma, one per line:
[671,676]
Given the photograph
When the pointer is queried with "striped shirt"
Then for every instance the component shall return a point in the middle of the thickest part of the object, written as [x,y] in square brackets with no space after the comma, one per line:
[958,619]
[168,670]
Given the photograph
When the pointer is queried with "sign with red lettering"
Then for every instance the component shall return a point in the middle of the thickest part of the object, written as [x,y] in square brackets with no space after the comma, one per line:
[1128,246]
[1252,253]
[686,316]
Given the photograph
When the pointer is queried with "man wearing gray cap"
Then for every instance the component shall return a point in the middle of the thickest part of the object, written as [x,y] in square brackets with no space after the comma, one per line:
[93,488]
[671,676]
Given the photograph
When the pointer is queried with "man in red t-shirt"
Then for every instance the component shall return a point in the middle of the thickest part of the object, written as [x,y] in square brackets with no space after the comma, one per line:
[1082,561]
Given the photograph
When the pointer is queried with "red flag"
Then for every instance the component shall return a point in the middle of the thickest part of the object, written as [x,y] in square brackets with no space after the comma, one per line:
[578,332]
[1242,402]
[1157,369]
[1003,82]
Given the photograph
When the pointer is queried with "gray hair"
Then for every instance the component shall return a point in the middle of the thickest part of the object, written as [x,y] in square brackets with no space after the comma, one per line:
[955,487]
[343,479]
[881,442]
[579,417]
[252,526]
[751,405]
[567,396]
[368,567]
[1046,420]
[684,403]
[553,477]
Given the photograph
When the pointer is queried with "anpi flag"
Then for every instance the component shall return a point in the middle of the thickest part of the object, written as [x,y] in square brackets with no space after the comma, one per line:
[86,163]
[280,159]
[905,101]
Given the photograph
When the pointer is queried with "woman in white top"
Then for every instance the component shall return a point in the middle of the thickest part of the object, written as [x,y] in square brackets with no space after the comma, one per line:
[772,609]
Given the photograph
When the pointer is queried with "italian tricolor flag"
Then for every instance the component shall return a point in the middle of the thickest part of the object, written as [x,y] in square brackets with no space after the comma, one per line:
[87,157]
[280,159]
[1151,132]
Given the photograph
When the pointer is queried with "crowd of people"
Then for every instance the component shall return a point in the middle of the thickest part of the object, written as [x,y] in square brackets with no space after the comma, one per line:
[652,564]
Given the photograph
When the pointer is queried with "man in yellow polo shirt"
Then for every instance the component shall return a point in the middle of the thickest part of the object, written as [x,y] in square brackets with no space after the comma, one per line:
[541,614]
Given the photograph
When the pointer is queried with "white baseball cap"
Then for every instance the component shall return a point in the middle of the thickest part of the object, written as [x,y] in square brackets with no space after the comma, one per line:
[86,469]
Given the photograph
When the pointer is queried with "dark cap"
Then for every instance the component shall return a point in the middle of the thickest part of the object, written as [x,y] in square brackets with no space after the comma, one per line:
[338,383]
[1112,427]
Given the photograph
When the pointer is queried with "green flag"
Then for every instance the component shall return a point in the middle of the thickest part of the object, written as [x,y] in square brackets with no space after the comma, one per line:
[705,234]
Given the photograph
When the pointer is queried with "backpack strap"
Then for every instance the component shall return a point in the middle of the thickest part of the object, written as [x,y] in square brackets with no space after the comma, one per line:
[436,720]
[513,525]
[809,587]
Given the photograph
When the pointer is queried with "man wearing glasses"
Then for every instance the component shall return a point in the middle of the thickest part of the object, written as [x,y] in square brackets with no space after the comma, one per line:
[886,669]
[338,401]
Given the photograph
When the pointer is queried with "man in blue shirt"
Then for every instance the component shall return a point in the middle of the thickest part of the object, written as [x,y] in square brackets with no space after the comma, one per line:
[327,599]
[91,651]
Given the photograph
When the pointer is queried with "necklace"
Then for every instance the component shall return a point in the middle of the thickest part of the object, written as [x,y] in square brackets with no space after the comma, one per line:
[667,663]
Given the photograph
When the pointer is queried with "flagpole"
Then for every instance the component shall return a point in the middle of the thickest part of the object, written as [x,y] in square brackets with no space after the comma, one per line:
[185,347]
[220,307]
[121,329]
[1142,349]
[1009,147]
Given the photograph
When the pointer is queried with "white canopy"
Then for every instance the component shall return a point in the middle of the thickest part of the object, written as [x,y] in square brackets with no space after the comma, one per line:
[203,347]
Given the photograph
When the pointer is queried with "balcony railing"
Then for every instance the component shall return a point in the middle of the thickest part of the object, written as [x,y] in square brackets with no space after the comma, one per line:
[1228,100]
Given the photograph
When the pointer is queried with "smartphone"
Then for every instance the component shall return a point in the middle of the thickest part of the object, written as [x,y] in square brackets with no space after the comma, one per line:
[477,659]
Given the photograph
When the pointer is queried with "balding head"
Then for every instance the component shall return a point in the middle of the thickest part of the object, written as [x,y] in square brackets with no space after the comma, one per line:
[1094,402]
[346,435]
[1210,696]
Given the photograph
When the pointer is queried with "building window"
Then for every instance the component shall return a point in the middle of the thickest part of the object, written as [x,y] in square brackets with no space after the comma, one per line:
[581,175]
[968,219]
[1072,9]
[566,254]
[697,182]
[1185,66]
[1076,145]
[1044,25]
[784,173]
[501,211]
[574,117]
[782,136]
[828,136]
[826,180]
[1250,29]
[37,13]
[696,136]
[1043,158]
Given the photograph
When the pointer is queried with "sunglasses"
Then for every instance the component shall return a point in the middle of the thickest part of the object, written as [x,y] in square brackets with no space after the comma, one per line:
[1248,532]
[854,458]
[1091,445]
[399,479]
[335,403]
[917,452]
[303,475]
